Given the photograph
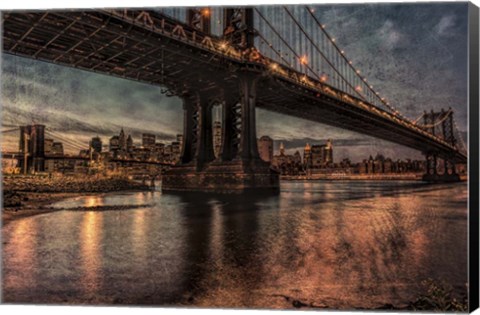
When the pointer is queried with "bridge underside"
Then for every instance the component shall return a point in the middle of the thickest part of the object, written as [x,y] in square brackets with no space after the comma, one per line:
[198,68]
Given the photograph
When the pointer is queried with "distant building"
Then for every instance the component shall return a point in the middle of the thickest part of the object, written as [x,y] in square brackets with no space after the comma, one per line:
[180,138]
[307,156]
[114,144]
[122,140]
[96,144]
[282,149]
[217,138]
[57,148]
[167,153]
[48,146]
[141,154]
[148,140]
[159,150]
[176,151]
[265,148]
[129,144]
[321,155]
[382,165]
[388,165]
[287,164]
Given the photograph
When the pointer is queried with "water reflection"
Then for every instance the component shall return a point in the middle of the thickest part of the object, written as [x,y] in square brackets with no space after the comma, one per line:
[91,243]
[339,243]
[24,261]
[93,201]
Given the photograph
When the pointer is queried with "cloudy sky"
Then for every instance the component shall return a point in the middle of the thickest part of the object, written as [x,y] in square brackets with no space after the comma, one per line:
[414,54]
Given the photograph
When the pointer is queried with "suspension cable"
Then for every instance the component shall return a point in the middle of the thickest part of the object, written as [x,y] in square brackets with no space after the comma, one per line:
[271,47]
[321,53]
[10,130]
[418,119]
[285,42]
[355,71]
[445,116]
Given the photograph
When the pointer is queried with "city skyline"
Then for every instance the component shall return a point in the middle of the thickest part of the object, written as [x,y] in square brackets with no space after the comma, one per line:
[408,40]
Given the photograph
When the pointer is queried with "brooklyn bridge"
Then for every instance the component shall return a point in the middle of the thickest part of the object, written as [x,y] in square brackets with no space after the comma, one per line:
[239,59]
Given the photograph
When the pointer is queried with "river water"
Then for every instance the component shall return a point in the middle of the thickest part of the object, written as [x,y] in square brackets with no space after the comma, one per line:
[338,244]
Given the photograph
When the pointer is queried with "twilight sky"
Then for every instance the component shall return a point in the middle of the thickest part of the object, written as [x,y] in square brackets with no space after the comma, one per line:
[414,54]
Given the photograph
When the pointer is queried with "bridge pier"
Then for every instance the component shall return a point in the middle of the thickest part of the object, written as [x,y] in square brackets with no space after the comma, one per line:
[239,168]
[432,175]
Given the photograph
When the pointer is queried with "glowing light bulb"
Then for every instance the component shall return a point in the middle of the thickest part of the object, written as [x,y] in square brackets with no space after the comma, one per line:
[303,60]
[223,45]
[206,12]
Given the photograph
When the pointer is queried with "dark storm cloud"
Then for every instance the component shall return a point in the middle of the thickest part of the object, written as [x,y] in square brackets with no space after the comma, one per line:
[415,55]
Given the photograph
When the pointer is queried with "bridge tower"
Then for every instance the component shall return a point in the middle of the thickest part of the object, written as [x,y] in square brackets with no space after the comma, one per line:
[199,18]
[238,27]
[32,147]
[238,168]
[440,124]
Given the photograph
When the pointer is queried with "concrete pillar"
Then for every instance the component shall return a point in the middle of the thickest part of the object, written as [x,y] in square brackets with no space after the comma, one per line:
[230,132]
[190,126]
[248,138]
[204,151]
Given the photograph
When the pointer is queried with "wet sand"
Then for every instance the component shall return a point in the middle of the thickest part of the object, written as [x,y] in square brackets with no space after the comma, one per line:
[24,196]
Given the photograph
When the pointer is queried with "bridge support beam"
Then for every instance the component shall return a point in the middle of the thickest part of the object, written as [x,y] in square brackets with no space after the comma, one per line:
[239,168]
[449,173]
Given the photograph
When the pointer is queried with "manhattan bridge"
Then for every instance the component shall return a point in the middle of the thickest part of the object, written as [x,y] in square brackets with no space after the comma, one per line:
[238,58]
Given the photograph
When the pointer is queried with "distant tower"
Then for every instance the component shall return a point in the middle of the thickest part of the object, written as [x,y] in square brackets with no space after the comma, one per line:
[122,140]
[265,148]
[129,143]
[96,144]
[148,140]
[114,144]
[282,149]
[307,156]
[32,145]
[328,152]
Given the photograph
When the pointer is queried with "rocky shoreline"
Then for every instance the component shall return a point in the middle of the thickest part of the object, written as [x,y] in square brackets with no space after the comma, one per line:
[25,196]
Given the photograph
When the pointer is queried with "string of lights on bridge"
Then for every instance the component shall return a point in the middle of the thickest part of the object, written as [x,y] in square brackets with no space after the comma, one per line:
[303,59]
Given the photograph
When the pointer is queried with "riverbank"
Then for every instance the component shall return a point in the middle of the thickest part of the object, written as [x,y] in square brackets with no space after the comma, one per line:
[341,176]
[29,195]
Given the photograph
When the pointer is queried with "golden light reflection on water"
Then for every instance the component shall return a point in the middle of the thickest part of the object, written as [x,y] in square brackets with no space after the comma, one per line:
[23,243]
[93,201]
[91,241]
[316,242]
[139,241]
[216,234]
